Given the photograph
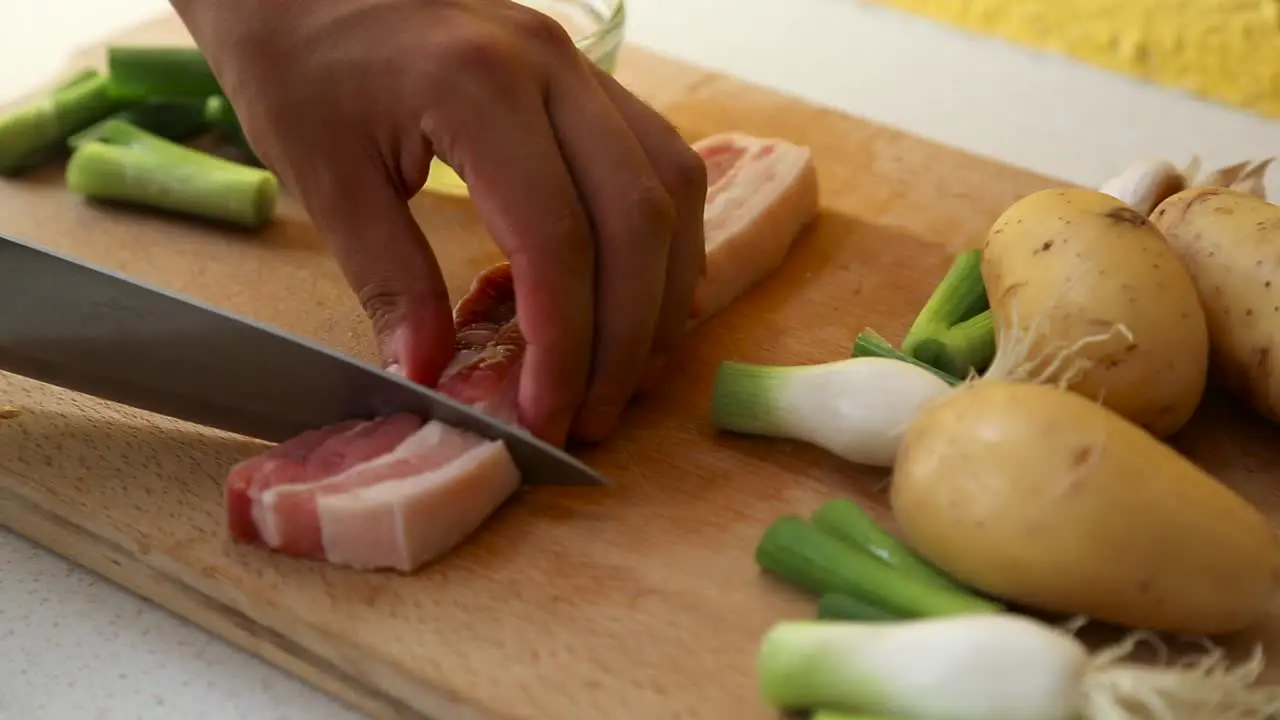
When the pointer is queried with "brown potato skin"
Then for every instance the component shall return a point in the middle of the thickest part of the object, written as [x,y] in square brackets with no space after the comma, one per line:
[1077,262]
[1042,498]
[1230,243]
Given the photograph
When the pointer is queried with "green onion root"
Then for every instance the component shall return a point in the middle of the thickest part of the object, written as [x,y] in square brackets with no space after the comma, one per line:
[160,72]
[869,343]
[803,555]
[37,131]
[129,165]
[847,521]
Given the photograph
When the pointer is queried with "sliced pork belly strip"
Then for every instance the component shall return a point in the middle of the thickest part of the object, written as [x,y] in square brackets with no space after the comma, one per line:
[761,193]
[406,522]
[283,464]
[285,512]
[275,497]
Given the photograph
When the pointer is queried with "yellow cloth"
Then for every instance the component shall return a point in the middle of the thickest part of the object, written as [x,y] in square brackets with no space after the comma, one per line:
[1223,50]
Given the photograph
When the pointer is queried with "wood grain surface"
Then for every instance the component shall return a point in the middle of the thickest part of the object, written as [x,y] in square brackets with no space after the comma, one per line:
[637,601]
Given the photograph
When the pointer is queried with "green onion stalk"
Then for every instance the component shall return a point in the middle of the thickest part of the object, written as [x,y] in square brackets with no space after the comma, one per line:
[176,120]
[837,606]
[37,131]
[121,162]
[222,117]
[846,520]
[160,72]
[802,554]
[954,331]
[869,343]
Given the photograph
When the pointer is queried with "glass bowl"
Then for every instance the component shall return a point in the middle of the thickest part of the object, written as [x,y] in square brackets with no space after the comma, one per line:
[597,28]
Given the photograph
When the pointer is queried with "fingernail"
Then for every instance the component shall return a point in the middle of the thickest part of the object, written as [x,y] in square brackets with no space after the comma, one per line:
[394,348]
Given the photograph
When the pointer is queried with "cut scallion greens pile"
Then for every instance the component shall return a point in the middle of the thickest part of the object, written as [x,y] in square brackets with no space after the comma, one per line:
[124,130]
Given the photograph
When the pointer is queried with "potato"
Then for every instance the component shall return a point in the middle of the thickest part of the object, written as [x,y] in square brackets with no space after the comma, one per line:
[1230,242]
[1075,263]
[1043,498]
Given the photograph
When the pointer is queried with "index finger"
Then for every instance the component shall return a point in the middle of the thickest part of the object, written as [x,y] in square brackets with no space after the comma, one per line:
[508,155]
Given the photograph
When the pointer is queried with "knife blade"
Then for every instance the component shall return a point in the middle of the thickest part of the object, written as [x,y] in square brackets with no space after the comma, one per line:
[94,331]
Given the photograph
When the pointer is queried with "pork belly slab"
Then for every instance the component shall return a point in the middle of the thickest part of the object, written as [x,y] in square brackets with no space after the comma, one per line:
[396,493]
[761,192]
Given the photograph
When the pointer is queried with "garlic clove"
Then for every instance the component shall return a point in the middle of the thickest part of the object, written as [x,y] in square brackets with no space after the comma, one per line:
[1192,169]
[1223,177]
[1247,176]
[1252,180]
[1146,183]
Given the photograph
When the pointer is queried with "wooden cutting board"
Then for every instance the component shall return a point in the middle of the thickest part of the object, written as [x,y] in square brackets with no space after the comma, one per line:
[639,601]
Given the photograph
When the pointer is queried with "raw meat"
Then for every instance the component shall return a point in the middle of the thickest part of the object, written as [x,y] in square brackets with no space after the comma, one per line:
[489,349]
[760,193]
[395,493]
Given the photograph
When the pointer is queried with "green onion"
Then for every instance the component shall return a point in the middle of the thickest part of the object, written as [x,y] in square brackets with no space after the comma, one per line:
[175,120]
[869,343]
[76,78]
[219,113]
[127,164]
[969,345]
[995,666]
[803,555]
[857,408]
[846,520]
[834,606]
[160,72]
[959,297]
[37,131]
[837,715]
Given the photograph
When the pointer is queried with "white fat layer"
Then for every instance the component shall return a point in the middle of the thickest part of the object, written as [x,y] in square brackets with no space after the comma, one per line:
[858,409]
[411,520]
[751,185]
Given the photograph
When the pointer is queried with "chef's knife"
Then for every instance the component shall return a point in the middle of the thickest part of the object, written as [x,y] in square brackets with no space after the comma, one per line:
[88,329]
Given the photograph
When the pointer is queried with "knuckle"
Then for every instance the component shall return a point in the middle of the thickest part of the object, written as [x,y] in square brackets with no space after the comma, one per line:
[569,233]
[541,30]
[653,212]
[686,174]
[476,54]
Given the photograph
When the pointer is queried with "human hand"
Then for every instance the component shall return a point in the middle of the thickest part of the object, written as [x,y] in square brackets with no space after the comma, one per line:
[593,197]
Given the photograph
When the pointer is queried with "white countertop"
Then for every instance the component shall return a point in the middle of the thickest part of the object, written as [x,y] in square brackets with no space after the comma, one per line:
[73,645]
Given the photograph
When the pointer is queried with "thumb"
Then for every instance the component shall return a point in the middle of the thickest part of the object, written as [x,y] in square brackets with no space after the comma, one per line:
[388,263]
